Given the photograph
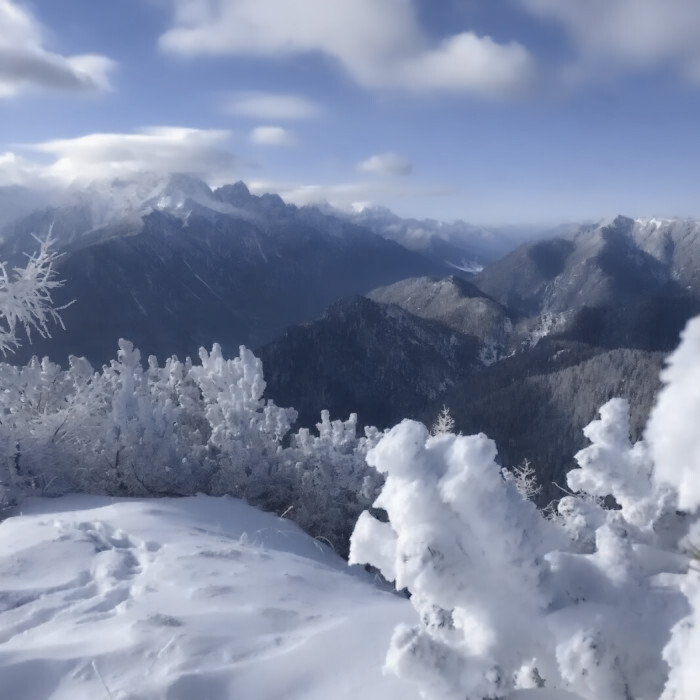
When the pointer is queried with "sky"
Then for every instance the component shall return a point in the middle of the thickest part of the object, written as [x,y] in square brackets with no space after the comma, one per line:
[491,111]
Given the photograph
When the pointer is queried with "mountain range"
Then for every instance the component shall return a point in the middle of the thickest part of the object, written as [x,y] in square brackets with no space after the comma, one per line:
[370,313]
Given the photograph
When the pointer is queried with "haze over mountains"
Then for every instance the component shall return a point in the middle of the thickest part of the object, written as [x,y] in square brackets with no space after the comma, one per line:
[506,336]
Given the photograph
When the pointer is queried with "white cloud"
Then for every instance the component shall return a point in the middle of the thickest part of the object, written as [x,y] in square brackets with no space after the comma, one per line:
[26,63]
[387,164]
[636,34]
[17,170]
[466,62]
[380,44]
[271,136]
[96,156]
[271,106]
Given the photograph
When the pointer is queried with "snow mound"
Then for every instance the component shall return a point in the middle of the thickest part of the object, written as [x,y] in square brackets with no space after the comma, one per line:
[184,599]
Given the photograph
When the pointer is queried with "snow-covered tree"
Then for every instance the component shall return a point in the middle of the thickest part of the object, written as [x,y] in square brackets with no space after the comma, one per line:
[471,551]
[581,604]
[444,423]
[524,476]
[179,429]
[246,431]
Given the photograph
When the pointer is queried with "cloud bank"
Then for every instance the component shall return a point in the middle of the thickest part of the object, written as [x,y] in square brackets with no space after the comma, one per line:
[25,63]
[379,44]
[162,149]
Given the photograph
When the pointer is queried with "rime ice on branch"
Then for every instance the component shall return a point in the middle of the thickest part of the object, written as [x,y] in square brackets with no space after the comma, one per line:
[25,297]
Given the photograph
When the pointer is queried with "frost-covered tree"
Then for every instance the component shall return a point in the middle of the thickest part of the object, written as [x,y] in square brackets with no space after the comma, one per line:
[505,599]
[133,446]
[471,550]
[524,476]
[25,296]
[444,423]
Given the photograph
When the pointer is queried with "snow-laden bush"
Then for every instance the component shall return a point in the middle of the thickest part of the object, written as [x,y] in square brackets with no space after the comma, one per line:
[674,439]
[598,601]
[336,484]
[470,550]
[179,429]
[246,431]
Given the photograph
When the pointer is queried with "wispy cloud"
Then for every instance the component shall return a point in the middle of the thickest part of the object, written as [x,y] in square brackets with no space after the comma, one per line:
[272,136]
[387,164]
[378,44]
[271,106]
[350,195]
[25,63]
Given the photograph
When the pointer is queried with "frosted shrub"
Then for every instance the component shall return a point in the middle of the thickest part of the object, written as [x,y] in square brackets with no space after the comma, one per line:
[336,483]
[583,604]
[471,550]
[179,429]
[246,431]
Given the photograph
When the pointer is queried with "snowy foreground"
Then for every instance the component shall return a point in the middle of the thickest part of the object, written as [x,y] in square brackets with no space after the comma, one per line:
[191,599]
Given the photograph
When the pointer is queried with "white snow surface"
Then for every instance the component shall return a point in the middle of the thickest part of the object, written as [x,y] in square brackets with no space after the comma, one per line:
[672,427]
[185,599]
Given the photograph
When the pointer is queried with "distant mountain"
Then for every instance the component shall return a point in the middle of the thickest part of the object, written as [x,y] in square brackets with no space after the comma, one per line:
[361,356]
[615,263]
[172,265]
[624,283]
[462,246]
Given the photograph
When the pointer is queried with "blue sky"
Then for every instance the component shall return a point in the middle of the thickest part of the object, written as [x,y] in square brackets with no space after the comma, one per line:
[494,111]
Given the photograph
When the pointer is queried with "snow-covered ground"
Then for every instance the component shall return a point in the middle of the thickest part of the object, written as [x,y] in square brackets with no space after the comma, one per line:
[191,599]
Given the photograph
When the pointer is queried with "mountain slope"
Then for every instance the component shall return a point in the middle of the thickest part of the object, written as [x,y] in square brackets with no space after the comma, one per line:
[455,303]
[535,405]
[372,359]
